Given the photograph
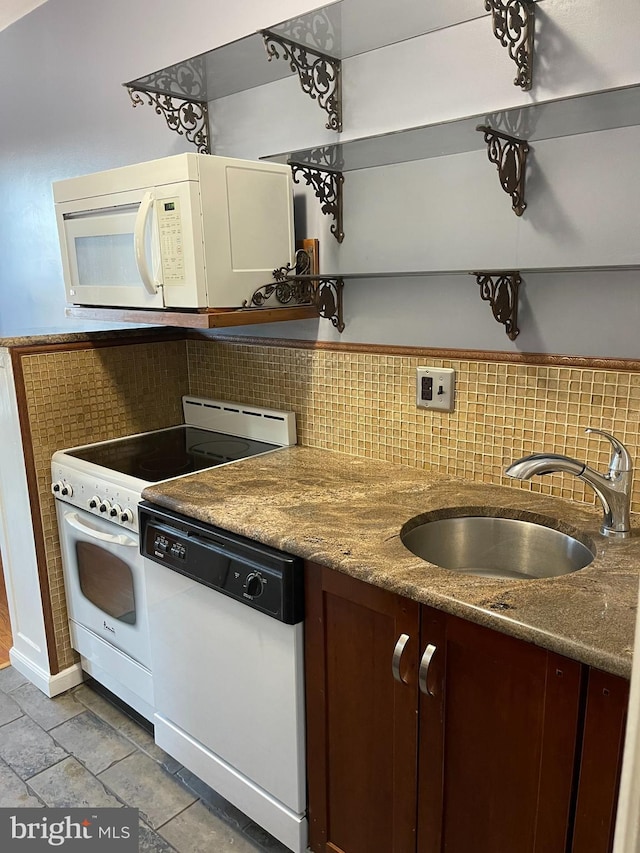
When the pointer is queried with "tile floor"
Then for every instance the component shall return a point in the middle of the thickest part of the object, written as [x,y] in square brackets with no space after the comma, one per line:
[78,749]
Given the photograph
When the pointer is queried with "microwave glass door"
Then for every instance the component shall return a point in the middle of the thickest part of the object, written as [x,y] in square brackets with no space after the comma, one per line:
[124,249]
[107,259]
[104,261]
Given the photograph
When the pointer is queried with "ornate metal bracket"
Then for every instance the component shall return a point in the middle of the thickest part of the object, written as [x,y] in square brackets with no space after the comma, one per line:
[327,186]
[500,290]
[513,26]
[327,297]
[320,75]
[510,156]
[294,284]
[187,117]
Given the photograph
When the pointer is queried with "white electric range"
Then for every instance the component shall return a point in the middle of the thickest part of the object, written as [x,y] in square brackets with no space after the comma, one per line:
[98,488]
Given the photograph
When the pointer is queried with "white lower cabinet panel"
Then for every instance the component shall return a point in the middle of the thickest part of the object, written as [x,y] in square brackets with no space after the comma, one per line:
[287,826]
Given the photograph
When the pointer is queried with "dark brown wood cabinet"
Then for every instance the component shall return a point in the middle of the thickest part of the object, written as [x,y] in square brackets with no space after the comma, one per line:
[362,724]
[497,742]
[427,733]
[605,719]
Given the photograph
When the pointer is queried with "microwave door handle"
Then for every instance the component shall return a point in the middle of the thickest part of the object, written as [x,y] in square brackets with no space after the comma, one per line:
[73,520]
[139,230]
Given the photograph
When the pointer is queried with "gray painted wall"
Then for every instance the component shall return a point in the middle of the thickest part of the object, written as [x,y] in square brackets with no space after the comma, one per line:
[68,114]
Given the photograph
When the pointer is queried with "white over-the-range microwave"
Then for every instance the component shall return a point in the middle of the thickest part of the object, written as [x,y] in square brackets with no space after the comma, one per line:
[187,231]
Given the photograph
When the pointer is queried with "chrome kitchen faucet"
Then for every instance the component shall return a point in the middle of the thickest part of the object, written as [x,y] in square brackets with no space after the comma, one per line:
[612,488]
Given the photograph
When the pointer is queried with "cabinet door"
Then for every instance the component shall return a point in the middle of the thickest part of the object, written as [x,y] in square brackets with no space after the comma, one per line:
[497,742]
[602,746]
[361,721]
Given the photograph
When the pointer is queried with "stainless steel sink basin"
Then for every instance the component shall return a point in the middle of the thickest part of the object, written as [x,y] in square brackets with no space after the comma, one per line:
[497,547]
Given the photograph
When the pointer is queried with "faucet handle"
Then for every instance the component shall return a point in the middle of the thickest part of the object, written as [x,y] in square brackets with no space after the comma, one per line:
[620,460]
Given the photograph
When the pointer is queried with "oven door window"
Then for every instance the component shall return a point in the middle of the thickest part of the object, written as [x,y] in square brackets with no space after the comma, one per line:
[106,581]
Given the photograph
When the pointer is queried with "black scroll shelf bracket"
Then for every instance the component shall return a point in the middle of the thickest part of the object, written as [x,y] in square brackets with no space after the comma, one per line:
[500,290]
[293,284]
[185,116]
[513,26]
[510,157]
[327,186]
[320,75]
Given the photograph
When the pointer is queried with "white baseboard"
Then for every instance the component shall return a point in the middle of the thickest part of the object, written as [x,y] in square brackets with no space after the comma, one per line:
[51,685]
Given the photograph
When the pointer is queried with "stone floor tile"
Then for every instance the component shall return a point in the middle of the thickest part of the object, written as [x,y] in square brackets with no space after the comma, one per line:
[264,840]
[14,793]
[150,842]
[9,709]
[139,781]
[70,785]
[213,800]
[125,725]
[47,712]
[107,711]
[92,741]
[197,830]
[10,678]
[28,749]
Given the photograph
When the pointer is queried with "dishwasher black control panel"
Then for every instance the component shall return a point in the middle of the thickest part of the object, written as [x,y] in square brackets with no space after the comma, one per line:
[257,575]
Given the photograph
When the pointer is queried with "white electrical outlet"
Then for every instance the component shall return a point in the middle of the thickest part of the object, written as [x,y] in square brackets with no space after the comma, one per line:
[434,388]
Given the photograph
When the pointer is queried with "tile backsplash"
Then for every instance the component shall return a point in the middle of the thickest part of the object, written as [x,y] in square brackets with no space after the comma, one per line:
[363,403]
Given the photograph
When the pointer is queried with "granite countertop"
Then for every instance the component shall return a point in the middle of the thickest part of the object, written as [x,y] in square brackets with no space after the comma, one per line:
[346,513]
[22,337]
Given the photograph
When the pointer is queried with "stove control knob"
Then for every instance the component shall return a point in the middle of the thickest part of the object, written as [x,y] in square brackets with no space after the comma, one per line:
[115,510]
[126,516]
[66,490]
[95,502]
[105,506]
[57,487]
[254,585]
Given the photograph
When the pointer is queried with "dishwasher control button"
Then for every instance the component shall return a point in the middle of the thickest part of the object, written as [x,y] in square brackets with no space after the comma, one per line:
[254,585]
[161,544]
[178,551]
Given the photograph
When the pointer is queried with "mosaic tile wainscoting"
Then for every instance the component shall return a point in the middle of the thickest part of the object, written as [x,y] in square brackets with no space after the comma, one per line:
[78,396]
[363,403]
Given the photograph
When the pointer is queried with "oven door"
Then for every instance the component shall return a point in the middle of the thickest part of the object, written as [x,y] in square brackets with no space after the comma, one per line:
[104,581]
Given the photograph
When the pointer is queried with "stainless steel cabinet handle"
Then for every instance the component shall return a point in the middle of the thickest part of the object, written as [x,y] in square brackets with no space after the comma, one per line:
[403,639]
[423,672]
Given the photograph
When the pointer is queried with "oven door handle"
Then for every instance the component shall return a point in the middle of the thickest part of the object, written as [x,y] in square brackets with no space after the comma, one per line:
[73,520]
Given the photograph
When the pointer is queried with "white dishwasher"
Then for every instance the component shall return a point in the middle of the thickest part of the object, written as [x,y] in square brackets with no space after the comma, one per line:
[226,634]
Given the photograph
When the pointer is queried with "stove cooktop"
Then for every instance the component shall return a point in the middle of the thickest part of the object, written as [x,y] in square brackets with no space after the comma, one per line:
[167,453]
[106,478]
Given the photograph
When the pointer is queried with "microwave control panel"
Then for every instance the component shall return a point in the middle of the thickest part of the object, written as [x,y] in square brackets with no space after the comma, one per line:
[171,240]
